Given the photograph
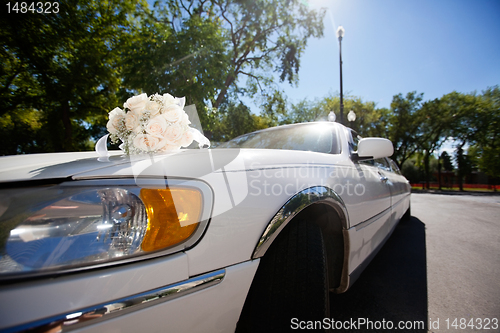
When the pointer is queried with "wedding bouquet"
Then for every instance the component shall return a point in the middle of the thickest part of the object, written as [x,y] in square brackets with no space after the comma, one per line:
[153,124]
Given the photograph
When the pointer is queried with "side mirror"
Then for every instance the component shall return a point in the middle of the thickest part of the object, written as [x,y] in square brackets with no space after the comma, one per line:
[373,148]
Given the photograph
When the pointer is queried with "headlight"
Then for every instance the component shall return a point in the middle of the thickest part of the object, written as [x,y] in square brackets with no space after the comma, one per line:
[87,223]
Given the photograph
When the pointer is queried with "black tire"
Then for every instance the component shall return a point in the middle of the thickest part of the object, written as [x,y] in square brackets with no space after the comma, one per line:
[291,282]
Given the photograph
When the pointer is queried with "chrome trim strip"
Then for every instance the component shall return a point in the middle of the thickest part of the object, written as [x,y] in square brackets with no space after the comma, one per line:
[372,219]
[400,201]
[301,200]
[91,315]
[345,277]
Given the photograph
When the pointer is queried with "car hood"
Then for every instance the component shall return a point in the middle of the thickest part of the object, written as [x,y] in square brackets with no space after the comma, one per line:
[184,163]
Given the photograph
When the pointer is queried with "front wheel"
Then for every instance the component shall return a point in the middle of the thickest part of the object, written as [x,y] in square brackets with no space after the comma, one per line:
[291,283]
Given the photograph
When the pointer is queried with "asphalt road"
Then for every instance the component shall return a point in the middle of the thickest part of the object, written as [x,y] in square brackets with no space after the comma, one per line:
[442,264]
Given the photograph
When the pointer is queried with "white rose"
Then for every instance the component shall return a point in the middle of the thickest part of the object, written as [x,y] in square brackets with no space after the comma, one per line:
[168,100]
[185,120]
[116,112]
[174,133]
[156,126]
[132,122]
[116,121]
[187,139]
[170,148]
[137,104]
[173,113]
[153,107]
[148,142]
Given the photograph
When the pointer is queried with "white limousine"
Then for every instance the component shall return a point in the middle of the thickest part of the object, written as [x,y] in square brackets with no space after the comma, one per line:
[243,237]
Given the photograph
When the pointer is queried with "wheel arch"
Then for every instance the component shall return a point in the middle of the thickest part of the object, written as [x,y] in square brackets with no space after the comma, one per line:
[324,207]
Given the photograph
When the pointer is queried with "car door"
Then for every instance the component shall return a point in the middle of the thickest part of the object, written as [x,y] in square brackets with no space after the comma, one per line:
[400,189]
[376,203]
[370,206]
[371,190]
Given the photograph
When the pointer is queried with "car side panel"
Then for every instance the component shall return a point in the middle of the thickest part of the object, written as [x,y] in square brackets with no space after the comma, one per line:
[28,301]
[215,309]
[369,195]
[401,194]
[366,237]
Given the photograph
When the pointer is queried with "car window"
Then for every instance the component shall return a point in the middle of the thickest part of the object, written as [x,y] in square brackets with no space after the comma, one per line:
[320,138]
[383,164]
[353,146]
[394,167]
[353,141]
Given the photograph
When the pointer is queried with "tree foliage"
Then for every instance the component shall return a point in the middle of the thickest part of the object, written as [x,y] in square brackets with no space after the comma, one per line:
[487,137]
[418,128]
[232,120]
[201,48]
[182,51]
[60,74]
[370,121]
[404,127]
[446,161]
[469,119]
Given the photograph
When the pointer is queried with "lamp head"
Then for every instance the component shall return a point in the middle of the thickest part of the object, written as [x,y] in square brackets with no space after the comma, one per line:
[351,116]
[340,32]
[331,116]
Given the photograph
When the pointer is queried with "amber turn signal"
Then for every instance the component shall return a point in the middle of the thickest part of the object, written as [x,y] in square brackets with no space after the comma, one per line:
[173,216]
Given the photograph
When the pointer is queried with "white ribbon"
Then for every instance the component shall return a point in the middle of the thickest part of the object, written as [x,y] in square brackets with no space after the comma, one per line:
[181,101]
[200,138]
[101,147]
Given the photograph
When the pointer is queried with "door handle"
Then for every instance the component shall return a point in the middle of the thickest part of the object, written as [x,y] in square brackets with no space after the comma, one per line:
[382,177]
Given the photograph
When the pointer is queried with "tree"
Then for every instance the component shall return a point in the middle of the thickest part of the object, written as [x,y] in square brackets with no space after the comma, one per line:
[306,111]
[446,161]
[232,120]
[463,115]
[20,132]
[412,170]
[60,73]
[181,51]
[274,109]
[464,166]
[213,44]
[404,125]
[436,123]
[370,121]
[488,134]
[464,126]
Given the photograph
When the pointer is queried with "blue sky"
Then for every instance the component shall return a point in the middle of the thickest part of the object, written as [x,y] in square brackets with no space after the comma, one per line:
[397,46]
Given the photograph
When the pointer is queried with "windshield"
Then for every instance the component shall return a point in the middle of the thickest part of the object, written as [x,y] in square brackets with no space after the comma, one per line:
[320,138]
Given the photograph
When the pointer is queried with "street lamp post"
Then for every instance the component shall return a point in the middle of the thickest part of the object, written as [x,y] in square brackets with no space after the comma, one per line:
[340,35]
